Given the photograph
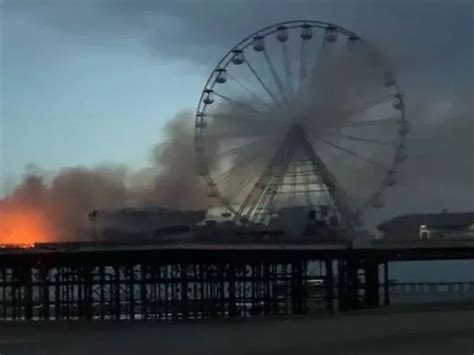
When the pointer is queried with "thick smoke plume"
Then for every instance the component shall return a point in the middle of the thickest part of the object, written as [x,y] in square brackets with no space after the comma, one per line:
[57,208]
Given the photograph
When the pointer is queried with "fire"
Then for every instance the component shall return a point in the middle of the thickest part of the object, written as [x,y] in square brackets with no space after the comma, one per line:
[24,226]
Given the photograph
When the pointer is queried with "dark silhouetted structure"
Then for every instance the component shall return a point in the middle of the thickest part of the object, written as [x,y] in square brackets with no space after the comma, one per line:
[448,226]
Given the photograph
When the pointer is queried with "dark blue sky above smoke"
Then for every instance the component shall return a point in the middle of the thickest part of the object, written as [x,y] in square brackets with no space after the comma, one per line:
[421,34]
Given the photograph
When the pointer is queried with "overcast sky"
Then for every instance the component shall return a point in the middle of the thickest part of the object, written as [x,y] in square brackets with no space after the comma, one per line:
[93,81]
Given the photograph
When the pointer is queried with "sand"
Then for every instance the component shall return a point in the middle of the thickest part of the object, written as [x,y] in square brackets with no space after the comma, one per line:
[382,331]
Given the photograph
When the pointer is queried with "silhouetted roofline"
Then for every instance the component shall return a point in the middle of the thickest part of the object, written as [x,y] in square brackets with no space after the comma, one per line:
[452,219]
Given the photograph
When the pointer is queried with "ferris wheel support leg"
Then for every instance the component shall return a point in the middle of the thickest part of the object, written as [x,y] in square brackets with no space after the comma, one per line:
[263,190]
[336,192]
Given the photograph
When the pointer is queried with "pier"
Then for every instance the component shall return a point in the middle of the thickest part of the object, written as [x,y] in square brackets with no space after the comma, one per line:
[196,281]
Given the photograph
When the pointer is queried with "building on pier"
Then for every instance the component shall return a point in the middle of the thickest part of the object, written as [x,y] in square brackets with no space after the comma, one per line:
[143,224]
[436,226]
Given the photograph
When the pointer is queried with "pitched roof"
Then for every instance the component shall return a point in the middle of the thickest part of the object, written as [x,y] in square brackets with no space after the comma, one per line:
[413,221]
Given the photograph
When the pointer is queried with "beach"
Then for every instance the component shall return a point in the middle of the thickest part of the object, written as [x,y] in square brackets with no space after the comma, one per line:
[409,330]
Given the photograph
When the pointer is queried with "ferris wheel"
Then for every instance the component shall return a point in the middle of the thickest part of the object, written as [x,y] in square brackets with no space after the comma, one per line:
[300,113]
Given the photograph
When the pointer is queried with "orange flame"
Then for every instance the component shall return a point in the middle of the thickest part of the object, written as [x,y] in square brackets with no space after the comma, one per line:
[24,226]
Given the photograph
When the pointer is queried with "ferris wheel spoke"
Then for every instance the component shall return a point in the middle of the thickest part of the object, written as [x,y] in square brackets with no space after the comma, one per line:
[352,153]
[303,54]
[241,186]
[286,61]
[241,147]
[227,135]
[238,132]
[260,80]
[234,118]
[316,65]
[247,89]
[366,140]
[370,104]
[239,103]
[232,127]
[364,123]
[275,75]
[225,174]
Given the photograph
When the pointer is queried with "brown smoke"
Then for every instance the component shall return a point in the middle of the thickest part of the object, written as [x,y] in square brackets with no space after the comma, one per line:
[64,202]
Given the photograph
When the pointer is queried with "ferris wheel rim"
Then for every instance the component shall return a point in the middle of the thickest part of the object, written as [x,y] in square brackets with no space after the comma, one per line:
[264,32]
[241,46]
